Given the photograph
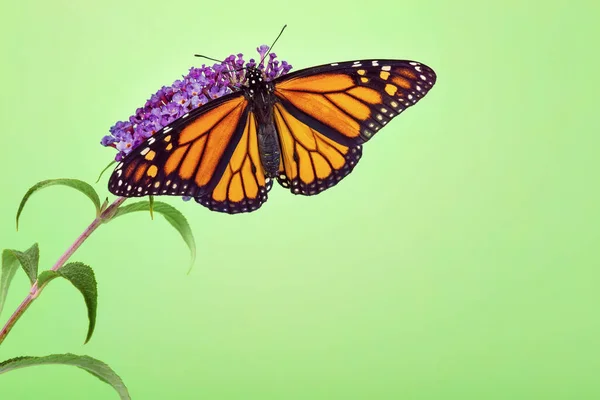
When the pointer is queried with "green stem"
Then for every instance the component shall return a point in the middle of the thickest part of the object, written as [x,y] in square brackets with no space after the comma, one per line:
[35,290]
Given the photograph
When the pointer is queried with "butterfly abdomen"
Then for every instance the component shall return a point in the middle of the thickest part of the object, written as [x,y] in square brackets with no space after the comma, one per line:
[268,146]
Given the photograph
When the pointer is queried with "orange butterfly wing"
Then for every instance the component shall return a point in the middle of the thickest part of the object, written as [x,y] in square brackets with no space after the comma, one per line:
[310,161]
[324,114]
[188,157]
[243,186]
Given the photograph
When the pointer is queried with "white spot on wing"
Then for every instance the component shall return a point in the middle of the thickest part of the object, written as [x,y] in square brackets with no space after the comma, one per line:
[186,115]
[334,64]
[386,68]
[145,151]
[168,128]
[151,140]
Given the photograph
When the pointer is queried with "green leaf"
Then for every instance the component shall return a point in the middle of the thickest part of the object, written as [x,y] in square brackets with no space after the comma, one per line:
[95,367]
[151,206]
[82,186]
[46,277]
[82,277]
[104,170]
[10,264]
[29,260]
[104,205]
[172,215]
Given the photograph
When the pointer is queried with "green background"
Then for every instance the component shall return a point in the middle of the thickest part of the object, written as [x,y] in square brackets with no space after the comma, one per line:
[458,261]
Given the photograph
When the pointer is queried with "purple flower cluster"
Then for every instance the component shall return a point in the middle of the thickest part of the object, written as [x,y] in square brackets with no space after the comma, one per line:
[196,88]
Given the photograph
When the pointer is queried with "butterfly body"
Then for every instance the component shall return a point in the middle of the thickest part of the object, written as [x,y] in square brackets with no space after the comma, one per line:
[261,98]
[305,129]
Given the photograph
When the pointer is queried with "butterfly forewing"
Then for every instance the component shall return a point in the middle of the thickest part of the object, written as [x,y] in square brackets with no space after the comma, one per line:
[351,101]
[187,157]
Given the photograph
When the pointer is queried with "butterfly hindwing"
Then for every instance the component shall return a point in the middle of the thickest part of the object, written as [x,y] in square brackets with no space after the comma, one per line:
[324,114]
[243,186]
[187,157]
[310,161]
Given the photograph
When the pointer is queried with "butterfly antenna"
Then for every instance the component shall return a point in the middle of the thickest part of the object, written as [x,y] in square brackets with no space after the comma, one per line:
[208,58]
[271,48]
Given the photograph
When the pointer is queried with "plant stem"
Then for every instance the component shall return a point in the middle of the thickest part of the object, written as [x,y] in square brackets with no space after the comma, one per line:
[35,290]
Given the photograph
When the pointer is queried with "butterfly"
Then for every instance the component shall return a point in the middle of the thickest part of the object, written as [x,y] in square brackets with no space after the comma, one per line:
[304,129]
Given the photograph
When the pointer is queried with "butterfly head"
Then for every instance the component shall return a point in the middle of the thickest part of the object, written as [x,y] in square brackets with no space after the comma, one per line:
[256,81]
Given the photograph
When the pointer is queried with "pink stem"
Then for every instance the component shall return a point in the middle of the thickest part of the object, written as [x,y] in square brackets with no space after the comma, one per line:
[35,290]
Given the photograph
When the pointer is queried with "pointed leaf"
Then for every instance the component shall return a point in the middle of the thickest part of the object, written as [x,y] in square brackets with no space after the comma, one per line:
[95,367]
[172,215]
[29,260]
[104,170]
[10,264]
[82,277]
[81,186]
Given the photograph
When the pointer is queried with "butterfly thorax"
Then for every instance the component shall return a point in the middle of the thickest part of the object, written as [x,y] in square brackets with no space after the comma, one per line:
[261,97]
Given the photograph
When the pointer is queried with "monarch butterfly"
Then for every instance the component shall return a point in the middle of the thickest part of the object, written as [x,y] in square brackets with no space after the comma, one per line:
[304,129]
